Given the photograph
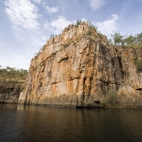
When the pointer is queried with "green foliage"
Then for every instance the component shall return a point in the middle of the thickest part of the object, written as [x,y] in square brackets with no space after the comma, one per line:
[84,86]
[130,39]
[78,22]
[91,26]
[110,42]
[127,40]
[36,54]
[12,74]
[112,96]
[118,39]
[102,104]
[89,32]
[65,45]
[111,93]
[99,32]
[6,90]
[52,36]
[139,65]
[139,38]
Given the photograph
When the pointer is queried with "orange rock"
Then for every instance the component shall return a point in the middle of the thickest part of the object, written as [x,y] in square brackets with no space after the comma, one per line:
[78,69]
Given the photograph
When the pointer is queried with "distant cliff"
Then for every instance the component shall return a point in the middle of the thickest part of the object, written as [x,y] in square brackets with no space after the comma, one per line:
[80,69]
[10,91]
[12,82]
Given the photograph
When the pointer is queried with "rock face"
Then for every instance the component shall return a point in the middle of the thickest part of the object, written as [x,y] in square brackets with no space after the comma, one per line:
[79,69]
[10,91]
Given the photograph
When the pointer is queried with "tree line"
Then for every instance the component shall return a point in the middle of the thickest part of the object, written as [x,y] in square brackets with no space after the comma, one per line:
[12,74]
[126,40]
[117,38]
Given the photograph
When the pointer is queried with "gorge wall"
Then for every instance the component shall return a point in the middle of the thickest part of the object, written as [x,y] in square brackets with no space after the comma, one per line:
[10,91]
[79,69]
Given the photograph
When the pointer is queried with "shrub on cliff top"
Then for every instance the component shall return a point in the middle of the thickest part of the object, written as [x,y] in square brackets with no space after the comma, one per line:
[52,36]
[78,22]
[91,26]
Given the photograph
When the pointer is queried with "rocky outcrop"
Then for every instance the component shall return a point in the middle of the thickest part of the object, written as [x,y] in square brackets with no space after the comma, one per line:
[129,92]
[10,91]
[79,69]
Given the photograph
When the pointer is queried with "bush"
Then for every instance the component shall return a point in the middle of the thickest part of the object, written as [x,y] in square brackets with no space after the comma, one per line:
[65,45]
[139,65]
[89,32]
[52,36]
[91,26]
[78,22]
[112,96]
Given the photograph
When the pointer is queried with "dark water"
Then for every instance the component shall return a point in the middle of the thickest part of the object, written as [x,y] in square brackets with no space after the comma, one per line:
[32,123]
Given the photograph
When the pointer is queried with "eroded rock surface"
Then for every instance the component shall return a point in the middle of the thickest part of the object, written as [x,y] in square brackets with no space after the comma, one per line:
[10,91]
[79,69]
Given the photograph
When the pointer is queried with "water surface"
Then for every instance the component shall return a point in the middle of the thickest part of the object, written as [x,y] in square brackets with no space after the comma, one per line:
[20,123]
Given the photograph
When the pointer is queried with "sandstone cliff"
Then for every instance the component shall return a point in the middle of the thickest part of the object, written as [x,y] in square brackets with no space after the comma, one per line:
[10,91]
[79,69]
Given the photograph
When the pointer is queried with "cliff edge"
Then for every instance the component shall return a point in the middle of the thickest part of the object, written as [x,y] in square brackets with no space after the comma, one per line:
[79,69]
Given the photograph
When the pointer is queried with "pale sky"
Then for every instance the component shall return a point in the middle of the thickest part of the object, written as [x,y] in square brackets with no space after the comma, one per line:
[25,25]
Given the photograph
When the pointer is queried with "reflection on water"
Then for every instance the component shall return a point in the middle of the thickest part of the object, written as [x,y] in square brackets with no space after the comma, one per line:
[37,123]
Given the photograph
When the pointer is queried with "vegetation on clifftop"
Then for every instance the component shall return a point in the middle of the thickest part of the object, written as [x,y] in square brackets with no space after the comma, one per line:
[117,38]
[130,40]
[13,74]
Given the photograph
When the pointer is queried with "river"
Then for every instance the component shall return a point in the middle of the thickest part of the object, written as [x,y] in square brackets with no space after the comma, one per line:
[20,123]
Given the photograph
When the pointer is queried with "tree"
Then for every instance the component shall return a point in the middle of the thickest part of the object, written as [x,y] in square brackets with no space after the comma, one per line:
[110,42]
[9,73]
[139,38]
[78,22]
[118,39]
[130,39]
[91,26]
[52,36]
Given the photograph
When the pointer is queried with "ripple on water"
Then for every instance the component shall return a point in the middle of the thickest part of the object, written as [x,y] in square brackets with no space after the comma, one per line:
[33,123]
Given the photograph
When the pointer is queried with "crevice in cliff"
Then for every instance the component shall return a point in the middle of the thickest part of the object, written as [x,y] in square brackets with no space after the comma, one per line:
[54,82]
[73,78]
[108,82]
[138,89]
[121,66]
[83,94]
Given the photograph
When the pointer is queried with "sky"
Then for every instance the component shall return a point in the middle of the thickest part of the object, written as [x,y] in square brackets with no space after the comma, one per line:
[26,25]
